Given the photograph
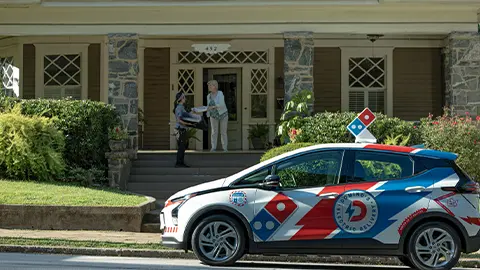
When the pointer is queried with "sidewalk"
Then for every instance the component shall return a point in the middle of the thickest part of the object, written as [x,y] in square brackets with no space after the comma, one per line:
[104,236]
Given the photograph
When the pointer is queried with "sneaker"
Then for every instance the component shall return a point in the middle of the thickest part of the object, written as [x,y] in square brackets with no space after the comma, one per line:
[183,165]
[213,150]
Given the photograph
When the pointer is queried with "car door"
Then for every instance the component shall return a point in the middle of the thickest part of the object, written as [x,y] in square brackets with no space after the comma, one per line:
[301,209]
[381,194]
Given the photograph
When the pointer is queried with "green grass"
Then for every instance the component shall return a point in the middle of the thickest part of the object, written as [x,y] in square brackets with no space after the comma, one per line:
[74,243]
[64,194]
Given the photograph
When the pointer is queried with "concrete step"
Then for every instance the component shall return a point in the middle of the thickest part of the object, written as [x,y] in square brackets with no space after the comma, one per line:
[156,186]
[170,156]
[152,216]
[165,180]
[160,195]
[223,171]
[151,227]
[195,163]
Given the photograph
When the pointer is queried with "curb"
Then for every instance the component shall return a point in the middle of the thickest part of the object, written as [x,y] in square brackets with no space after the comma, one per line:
[176,254]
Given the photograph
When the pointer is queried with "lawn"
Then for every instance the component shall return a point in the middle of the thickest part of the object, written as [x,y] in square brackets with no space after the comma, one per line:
[74,243]
[64,194]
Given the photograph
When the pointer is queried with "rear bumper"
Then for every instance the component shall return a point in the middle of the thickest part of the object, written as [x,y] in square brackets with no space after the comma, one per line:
[172,242]
[473,244]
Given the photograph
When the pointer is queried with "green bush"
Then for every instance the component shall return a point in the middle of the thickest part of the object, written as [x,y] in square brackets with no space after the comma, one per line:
[332,128]
[283,149]
[84,123]
[30,147]
[455,134]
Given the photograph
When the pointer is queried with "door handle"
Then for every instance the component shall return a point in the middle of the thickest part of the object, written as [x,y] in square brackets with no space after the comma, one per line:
[331,195]
[415,189]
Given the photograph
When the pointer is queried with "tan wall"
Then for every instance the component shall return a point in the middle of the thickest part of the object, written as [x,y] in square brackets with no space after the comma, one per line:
[417,82]
[327,84]
[157,98]
[94,72]
[28,71]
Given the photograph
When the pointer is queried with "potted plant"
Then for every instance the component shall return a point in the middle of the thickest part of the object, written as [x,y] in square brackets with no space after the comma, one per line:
[191,134]
[118,139]
[258,136]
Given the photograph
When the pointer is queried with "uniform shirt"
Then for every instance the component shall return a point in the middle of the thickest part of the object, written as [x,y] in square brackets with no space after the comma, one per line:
[179,111]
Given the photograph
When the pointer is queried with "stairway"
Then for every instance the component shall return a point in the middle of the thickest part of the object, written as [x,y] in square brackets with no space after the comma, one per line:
[154,174]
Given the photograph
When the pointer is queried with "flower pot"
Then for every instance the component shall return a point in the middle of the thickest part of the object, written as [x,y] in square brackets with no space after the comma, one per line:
[117,145]
[258,143]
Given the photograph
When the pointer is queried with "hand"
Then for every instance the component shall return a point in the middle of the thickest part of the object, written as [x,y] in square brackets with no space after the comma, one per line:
[212,107]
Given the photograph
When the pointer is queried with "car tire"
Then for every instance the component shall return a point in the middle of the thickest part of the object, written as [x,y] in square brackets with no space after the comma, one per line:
[405,261]
[425,254]
[228,239]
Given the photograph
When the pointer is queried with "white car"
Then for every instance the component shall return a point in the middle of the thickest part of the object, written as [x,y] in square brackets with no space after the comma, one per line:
[333,199]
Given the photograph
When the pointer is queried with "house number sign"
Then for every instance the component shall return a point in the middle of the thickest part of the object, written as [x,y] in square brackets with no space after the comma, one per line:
[211,48]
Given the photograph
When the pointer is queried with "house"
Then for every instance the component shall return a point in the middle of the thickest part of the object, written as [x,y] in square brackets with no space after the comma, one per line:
[405,58]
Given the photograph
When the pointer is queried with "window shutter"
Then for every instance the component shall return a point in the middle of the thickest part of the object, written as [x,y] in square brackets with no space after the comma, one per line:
[74,93]
[376,101]
[52,93]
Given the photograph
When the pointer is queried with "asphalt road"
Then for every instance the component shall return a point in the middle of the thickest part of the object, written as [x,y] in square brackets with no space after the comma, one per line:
[14,261]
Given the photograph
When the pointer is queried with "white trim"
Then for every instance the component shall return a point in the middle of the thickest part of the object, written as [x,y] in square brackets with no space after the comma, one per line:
[56,39]
[45,49]
[362,52]
[190,29]
[244,3]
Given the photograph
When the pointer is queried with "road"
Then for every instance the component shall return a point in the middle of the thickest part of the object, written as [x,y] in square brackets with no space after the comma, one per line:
[14,261]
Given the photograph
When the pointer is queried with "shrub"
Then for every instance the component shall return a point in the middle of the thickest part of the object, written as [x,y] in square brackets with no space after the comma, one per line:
[85,124]
[30,147]
[457,134]
[86,177]
[283,149]
[332,128]
[295,111]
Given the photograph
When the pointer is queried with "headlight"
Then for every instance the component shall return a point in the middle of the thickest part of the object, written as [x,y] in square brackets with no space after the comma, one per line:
[181,201]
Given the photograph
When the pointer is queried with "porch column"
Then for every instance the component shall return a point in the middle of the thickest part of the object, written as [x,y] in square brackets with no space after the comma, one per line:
[122,82]
[462,72]
[298,53]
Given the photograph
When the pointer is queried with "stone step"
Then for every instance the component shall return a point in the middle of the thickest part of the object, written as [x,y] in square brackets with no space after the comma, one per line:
[194,164]
[152,216]
[160,195]
[165,180]
[171,187]
[222,171]
[151,227]
[200,155]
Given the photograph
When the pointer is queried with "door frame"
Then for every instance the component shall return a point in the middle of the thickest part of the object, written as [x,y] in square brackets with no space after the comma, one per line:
[238,71]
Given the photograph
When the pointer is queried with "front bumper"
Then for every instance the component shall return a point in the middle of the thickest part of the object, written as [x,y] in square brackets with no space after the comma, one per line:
[473,244]
[172,242]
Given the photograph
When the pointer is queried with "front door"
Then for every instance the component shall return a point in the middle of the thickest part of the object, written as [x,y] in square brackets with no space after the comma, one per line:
[230,83]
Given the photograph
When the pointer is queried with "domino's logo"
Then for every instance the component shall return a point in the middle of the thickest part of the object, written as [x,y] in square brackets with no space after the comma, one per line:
[356,211]
[358,127]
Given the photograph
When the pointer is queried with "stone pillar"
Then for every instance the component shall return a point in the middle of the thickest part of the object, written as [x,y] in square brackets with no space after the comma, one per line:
[122,83]
[118,169]
[462,72]
[298,53]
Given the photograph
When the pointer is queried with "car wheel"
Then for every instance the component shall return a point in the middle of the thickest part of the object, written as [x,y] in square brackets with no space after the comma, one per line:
[405,261]
[219,240]
[434,246]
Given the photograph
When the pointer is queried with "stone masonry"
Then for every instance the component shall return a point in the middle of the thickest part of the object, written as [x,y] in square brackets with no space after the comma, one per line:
[122,83]
[462,72]
[298,63]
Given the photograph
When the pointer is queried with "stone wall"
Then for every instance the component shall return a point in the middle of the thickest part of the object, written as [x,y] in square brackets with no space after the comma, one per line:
[462,72]
[298,63]
[122,83]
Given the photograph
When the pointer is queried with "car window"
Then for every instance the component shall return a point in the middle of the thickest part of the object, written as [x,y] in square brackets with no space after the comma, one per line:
[311,170]
[374,166]
[255,178]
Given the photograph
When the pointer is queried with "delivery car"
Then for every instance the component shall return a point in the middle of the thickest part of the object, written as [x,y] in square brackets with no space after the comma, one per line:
[333,199]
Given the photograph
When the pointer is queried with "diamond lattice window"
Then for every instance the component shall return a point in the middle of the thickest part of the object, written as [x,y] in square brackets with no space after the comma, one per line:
[186,84]
[258,94]
[229,57]
[6,73]
[62,76]
[367,83]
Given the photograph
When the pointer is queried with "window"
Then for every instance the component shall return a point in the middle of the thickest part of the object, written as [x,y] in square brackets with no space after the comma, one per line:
[258,95]
[374,166]
[6,75]
[256,177]
[61,71]
[311,170]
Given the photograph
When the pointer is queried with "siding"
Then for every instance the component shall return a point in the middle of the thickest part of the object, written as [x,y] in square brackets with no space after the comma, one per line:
[28,75]
[417,82]
[157,99]
[327,84]
[94,72]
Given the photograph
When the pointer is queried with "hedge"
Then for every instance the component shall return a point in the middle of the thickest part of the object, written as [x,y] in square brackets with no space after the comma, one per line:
[283,149]
[332,128]
[30,147]
[84,123]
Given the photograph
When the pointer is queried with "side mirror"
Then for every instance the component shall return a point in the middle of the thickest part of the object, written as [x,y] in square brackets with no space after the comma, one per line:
[271,181]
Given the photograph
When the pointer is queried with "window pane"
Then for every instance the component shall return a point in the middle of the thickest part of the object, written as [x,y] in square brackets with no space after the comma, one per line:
[376,101]
[312,170]
[255,178]
[259,106]
[356,101]
[370,166]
